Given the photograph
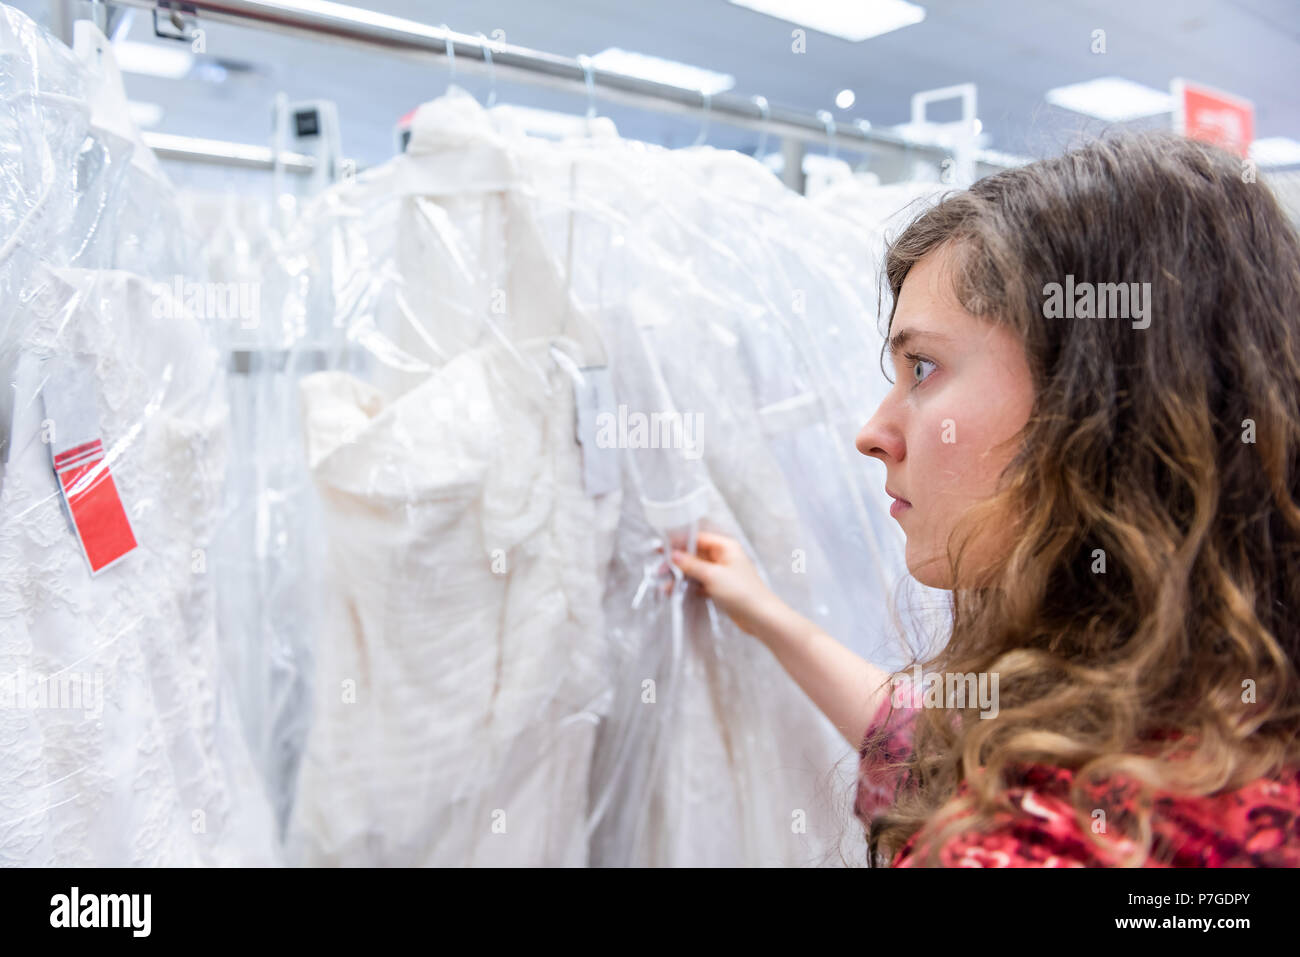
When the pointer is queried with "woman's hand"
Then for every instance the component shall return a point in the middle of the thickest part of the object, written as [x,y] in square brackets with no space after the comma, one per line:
[727,575]
[847,688]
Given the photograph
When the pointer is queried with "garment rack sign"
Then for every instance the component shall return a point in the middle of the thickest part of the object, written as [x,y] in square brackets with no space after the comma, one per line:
[1212,116]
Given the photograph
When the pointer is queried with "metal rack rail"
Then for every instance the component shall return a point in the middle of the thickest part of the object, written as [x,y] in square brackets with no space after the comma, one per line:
[365,29]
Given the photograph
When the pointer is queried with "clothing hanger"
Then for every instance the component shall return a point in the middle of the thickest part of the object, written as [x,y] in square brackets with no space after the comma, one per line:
[829,122]
[492,72]
[865,127]
[589,79]
[450,46]
[765,111]
[707,105]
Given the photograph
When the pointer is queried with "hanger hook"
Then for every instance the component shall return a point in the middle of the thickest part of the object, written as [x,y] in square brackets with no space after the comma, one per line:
[706,103]
[589,79]
[450,47]
[864,126]
[829,121]
[765,111]
[492,71]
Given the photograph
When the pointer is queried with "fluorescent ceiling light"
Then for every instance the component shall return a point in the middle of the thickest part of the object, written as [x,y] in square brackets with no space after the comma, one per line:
[653,68]
[144,115]
[850,19]
[1275,151]
[153,59]
[1112,98]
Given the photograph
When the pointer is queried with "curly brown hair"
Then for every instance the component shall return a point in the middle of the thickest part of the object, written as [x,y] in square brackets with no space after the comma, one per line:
[1173,449]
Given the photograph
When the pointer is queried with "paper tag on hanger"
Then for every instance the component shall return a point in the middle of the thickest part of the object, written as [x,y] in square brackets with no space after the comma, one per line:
[593,397]
[77,450]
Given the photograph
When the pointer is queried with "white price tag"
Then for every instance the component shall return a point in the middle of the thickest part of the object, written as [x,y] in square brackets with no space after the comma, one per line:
[593,396]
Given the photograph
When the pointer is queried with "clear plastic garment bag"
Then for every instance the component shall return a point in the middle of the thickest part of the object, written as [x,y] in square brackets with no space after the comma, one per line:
[460,662]
[552,361]
[119,741]
[417,503]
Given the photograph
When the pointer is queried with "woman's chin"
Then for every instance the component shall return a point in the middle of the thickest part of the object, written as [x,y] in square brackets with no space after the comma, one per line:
[929,571]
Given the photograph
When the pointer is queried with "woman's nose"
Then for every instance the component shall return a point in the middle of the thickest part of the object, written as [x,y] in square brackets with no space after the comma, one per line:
[881,437]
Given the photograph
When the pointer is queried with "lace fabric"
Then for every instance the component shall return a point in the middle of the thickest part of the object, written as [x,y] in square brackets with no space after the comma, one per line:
[153,773]
[117,743]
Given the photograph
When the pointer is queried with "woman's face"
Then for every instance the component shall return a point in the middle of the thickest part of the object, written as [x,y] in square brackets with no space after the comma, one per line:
[962,389]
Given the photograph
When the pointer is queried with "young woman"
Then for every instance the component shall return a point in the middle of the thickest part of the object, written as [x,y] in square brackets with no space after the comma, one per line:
[1107,479]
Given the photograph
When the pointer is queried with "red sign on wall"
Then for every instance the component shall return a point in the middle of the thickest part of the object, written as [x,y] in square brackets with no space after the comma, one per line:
[1212,116]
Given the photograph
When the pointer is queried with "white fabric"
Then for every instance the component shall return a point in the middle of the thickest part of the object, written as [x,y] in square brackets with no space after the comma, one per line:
[879,211]
[469,558]
[151,768]
[465,644]
[502,676]
[161,776]
[470,246]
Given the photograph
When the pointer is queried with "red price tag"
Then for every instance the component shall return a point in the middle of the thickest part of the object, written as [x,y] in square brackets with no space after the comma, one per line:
[100,520]
[77,448]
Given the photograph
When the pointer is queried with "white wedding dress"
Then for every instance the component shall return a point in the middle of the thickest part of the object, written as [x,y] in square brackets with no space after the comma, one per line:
[149,766]
[438,736]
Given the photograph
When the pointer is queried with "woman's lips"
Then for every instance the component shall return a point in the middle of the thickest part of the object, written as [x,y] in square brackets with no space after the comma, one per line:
[899,506]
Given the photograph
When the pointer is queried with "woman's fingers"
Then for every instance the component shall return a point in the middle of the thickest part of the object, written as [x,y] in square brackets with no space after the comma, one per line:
[711,546]
[691,566]
[713,553]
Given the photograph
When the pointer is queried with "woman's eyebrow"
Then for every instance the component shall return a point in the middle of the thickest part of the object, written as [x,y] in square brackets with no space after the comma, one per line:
[900,339]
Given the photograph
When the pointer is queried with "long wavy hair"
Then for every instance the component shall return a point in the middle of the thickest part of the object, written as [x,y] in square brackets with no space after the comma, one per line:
[1170,452]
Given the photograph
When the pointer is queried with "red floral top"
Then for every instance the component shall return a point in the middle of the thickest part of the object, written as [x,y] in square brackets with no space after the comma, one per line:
[1255,826]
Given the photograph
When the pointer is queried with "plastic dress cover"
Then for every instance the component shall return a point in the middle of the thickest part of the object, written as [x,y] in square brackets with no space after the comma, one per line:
[766,333]
[509,671]
[118,743]
[266,553]
[464,644]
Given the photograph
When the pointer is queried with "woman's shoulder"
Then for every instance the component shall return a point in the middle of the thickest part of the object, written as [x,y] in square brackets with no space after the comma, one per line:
[1257,825]
[886,745]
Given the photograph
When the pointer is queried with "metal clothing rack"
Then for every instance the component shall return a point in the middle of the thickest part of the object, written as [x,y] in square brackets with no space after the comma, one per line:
[364,29]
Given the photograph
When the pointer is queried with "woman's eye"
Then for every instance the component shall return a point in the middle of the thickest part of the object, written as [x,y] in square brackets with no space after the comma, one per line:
[921,369]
